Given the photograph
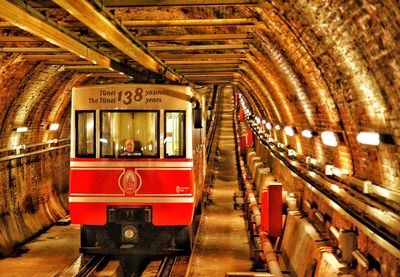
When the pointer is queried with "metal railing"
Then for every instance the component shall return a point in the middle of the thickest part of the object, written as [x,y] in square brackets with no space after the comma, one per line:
[22,150]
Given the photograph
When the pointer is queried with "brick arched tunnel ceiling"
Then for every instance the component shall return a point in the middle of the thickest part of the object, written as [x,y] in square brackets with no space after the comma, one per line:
[309,64]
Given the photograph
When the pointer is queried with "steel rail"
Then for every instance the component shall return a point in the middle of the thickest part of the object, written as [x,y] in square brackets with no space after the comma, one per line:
[84,266]
[91,266]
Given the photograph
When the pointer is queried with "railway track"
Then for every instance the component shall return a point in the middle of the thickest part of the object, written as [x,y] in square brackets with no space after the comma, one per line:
[168,266]
[172,265]
[85,266]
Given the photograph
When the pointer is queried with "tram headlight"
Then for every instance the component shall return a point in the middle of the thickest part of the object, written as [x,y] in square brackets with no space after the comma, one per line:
[129,233]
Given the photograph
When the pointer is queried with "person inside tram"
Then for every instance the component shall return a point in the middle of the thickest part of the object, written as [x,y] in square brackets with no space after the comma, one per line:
[130,149]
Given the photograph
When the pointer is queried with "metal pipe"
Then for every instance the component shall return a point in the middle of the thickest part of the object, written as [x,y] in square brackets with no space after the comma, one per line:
[268,250]
[269,255]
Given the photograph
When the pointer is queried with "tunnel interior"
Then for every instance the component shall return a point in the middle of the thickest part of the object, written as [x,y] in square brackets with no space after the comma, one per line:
[330,68]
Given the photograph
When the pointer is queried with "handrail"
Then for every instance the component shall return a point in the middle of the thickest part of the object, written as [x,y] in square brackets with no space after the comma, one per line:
[20,147]
[213,127]
[33,145]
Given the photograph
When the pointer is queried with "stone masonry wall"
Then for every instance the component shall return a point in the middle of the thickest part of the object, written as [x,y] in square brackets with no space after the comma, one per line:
[32,196]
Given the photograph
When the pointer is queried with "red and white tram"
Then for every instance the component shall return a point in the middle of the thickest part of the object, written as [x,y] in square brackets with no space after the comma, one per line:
[137,166]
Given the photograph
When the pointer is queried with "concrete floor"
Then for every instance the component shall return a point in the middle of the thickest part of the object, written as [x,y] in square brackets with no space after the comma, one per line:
[222,244]
[46,255]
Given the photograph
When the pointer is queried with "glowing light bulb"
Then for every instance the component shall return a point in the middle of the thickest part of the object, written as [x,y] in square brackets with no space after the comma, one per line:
[21,129]
[289,131]
[306,133]
[54,126]
[329,138]
[370,138]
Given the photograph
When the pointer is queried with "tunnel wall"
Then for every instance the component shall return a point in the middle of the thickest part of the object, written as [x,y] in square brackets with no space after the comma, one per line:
[32,197]
[33,187]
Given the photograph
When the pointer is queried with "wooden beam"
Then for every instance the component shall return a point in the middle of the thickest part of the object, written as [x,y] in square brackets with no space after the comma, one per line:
[218,74]
[202,70]
[156,3]
[209,62]
[89,15]
[197,66]
[49,57]
[7,25]
[31,49]
[190,22]
[197,79]
[53,62]
[21,18]
[111,75]
[210,22]
[206,82]
[202,37]
[21,39]
[208,47]
[88,68]
[233,22]
[183,56]
[34,23]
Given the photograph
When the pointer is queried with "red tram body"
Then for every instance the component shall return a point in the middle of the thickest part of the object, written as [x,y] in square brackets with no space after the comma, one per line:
[140,198]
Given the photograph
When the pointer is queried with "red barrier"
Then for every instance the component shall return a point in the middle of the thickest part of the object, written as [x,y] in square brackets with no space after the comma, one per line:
[241,115]
[249,138]
[271,209]
[243,144]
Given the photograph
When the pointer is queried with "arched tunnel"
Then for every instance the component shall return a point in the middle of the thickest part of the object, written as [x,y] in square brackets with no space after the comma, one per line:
[328,67]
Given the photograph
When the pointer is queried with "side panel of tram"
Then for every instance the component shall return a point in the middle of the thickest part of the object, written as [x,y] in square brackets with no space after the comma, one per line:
[122,193]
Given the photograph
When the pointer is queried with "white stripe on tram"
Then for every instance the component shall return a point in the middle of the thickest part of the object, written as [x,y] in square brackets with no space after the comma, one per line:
[131,200]
[132,164]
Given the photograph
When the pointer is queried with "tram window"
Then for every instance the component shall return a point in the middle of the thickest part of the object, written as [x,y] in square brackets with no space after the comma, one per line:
[174,134]
[85,130]
[129,133]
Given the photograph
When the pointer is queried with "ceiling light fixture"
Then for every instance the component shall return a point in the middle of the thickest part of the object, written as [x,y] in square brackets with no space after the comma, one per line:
[329,138]
[21,129]
[370,138]
[54,126]
[307,133]
[289,131]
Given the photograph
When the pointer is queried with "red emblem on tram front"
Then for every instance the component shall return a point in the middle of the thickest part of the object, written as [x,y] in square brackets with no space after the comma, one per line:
[130,182]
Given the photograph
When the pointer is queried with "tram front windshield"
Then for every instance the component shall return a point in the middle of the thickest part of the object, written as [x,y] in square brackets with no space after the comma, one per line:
[129,134]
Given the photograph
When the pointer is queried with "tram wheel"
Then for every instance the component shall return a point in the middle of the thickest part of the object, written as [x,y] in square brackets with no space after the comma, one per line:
[185,238]
[88,236]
